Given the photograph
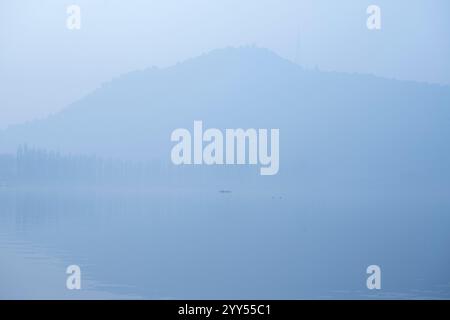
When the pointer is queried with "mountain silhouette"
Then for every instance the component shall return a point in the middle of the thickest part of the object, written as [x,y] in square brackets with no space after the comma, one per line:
[333,126]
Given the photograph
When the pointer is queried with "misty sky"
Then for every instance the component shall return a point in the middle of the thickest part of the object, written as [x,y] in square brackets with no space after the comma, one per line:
[44,66]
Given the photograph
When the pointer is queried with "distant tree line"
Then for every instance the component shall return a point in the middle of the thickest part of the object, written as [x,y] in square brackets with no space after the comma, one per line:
[31,165]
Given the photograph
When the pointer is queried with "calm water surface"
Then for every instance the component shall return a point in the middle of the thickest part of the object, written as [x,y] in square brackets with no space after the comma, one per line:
[189,244]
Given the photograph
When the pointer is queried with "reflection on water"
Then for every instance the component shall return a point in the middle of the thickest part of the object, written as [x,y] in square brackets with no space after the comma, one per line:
[209,244]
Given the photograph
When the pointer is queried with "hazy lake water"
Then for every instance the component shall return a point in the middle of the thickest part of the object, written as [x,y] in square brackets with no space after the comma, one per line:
[189,244]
